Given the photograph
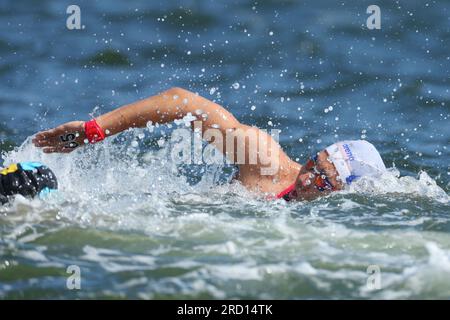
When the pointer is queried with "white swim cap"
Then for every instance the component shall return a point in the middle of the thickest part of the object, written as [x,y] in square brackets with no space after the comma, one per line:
[355,158]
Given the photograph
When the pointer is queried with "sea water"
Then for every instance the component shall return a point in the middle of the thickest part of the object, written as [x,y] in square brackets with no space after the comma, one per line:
[131,223]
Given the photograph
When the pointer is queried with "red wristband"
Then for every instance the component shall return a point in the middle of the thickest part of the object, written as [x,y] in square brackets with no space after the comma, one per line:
[93,131]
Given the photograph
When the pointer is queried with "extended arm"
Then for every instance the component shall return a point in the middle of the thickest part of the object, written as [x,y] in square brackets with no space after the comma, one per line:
[250,147]
[167,106]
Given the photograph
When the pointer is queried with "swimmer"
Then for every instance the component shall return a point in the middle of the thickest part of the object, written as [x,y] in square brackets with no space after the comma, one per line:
[29,179]
[326,171]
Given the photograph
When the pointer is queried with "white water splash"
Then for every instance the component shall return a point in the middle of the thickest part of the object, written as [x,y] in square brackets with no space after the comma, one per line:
[116,176]
[391,183]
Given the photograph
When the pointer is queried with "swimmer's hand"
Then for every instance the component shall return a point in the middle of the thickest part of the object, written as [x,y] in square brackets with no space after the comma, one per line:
[64,138]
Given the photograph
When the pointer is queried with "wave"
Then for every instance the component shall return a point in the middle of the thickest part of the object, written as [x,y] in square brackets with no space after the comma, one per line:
[129,166]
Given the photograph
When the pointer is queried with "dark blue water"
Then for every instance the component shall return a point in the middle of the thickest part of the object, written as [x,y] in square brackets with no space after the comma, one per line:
[274,64]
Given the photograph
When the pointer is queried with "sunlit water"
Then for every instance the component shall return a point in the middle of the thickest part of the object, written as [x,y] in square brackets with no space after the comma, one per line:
[140,226]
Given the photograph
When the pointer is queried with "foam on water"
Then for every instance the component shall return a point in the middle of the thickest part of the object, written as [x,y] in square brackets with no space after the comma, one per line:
[118,168]
[118,186]
[132,217]
[392,183]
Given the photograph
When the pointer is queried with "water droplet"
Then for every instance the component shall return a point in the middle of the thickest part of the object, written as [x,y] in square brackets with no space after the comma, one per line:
[150,126]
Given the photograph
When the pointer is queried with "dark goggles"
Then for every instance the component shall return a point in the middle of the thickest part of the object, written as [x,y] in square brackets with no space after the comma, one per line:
[320,178]
[320,181]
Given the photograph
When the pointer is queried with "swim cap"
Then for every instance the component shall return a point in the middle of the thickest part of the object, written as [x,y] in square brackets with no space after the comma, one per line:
[355,158]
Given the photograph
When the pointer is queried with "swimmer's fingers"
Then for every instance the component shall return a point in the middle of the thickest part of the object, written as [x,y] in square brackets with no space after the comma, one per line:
[43,139]
[48,138]
[49,150]
[57,150]
[42,135]
[69,135]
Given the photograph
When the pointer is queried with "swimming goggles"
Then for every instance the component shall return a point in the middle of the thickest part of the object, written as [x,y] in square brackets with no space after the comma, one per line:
[320,178]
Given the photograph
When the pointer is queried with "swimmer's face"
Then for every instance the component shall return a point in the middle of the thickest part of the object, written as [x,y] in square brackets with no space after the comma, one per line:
[317,178]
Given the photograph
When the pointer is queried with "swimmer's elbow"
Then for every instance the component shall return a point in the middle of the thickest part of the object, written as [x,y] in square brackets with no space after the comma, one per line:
[177,91]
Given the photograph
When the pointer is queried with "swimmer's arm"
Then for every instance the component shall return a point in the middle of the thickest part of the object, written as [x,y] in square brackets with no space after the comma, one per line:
[171,105]
[217,125]
[165,107]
